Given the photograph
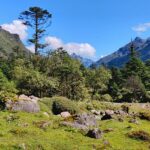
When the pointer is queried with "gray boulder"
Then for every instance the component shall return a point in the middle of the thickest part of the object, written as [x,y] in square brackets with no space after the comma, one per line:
[86,119]
[82,121]
[24,103]
[95,133]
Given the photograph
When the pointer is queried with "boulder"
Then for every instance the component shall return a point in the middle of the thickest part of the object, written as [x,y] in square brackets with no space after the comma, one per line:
[109,112]
[65,114]
[24,103]
[135,121]
[82,121]
[95,133]
[86,119]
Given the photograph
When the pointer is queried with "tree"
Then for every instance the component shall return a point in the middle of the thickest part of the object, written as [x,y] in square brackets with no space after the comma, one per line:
[116,83]
[97,81]
[68,71]
[134,66]
[134,90]
[38,19]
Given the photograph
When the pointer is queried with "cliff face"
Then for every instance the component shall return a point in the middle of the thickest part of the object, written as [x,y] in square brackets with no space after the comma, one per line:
[10,43]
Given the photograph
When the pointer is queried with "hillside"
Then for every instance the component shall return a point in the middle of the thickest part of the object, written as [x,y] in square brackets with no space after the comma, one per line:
[10,43]
[121,56]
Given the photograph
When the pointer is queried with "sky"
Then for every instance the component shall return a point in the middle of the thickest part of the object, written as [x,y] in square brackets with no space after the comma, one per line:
[90,28]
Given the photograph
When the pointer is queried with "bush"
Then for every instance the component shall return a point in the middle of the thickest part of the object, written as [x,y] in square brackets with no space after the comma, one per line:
[5,96]
[46,104]
[106,98]
[61,104]
[140,135]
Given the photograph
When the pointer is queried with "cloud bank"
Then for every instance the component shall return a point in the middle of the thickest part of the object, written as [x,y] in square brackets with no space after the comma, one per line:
[141,27]
[16,27]
[82,49]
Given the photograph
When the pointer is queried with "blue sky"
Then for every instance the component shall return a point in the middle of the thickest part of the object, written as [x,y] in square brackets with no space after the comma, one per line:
[105,25]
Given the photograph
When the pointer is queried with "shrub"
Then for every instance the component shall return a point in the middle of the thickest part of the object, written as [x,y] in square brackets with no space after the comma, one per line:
[140,135]
[61,104]
[106,98]
[6,96]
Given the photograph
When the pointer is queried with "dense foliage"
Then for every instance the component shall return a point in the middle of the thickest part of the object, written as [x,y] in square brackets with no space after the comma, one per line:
[57,74]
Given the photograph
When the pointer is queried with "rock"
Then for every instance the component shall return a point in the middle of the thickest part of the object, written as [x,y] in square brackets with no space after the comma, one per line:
[34,98]
[95,133]
[86,119]
[75,125]
[95,112]
[24,103]
[65,114]
[82,121]
[46,114]
[133,121]
[108,130]
[24,97]
[106,117]
[42,124]
[98,117]
[109,112]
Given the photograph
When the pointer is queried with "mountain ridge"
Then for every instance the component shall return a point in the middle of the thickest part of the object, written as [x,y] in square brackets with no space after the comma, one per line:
[121,56]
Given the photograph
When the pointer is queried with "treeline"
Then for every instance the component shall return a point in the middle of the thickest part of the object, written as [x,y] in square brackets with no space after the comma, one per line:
[59,74]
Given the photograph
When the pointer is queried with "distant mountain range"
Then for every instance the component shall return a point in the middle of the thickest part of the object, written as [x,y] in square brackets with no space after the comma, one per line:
[10,42]
[85,61]
[121,56]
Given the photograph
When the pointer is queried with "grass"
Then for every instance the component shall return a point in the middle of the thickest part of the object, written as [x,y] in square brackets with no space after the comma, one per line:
[19,131]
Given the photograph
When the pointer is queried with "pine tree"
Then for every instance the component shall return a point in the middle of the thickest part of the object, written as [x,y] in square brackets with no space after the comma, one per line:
[38,19]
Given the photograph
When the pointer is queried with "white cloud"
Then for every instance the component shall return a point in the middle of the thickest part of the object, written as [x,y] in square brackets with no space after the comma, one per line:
[16,27]
[82,49]
[31,48]
[141,27]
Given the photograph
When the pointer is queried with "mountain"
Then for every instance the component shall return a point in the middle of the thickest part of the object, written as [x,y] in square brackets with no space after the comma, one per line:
[10,44]
[121,56]
[85,61]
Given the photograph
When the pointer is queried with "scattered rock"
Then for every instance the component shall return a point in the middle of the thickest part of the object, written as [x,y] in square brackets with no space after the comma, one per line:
[46,114]
[42,124]
[135,121]
[108,130]
[95,133]
[65,114]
